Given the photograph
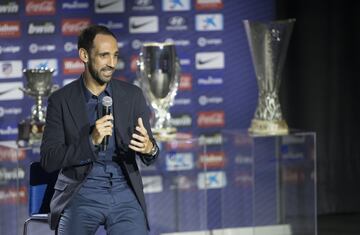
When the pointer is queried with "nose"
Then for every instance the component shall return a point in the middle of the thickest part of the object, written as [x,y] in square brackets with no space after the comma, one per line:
[112,62]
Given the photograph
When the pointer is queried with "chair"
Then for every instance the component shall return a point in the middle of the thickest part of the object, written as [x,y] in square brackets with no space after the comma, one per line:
[41,190]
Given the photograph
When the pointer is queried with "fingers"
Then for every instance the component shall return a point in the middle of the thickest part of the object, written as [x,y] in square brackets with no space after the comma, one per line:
[105,119]
[139,138]
[140,122]
[103,127]
[140,128]
[104,124]
[140,141]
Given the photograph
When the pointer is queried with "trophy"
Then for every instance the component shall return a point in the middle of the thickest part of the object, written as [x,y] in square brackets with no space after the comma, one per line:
[39,85]
[268,45]
[158,77]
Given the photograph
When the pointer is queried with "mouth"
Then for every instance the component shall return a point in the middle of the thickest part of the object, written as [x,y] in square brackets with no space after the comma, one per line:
[108,72]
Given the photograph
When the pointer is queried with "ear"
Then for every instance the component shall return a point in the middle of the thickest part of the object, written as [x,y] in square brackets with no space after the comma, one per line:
[84,56]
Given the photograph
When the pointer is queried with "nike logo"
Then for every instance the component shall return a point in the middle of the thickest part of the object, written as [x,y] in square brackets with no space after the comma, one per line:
[201,62]
[6,91]
[150,183]
[102,5]
[136,26]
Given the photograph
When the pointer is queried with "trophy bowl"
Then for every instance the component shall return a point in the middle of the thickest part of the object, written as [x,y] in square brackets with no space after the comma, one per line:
[39,82]
[38,85]
[158,77]
[268,42]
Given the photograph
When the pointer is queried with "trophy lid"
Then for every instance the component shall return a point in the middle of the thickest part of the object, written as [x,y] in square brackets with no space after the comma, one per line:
[39,70]
[157,44]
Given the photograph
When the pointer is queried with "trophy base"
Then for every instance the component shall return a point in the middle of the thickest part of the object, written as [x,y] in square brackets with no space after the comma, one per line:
[30,133]
[164,134]
[262,127]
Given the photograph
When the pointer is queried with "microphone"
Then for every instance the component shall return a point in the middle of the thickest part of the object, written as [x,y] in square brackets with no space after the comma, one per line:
[106,110]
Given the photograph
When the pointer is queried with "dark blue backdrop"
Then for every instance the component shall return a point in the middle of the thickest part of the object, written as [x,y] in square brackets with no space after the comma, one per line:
[217,90]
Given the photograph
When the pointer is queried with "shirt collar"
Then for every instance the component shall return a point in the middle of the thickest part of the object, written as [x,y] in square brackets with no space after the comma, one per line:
[88,94]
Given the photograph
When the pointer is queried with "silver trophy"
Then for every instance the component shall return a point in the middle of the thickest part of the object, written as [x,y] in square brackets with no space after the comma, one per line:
[158,77]
[38,85]
[268,45]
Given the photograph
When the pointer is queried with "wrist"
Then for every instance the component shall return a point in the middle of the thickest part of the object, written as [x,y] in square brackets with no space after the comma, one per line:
[153,150]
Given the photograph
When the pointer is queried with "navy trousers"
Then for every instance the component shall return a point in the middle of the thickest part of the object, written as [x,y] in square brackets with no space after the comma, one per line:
[83,215]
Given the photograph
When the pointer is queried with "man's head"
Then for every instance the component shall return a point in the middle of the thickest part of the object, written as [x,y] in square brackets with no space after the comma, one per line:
[98,50]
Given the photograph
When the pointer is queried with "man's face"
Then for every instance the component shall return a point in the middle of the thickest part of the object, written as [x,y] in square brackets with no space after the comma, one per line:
[103,58]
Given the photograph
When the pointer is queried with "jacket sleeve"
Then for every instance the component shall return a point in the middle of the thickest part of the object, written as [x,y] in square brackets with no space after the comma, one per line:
[57,149]
[142,110]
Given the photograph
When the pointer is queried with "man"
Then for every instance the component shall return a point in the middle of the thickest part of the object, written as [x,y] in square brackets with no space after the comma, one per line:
[96,186]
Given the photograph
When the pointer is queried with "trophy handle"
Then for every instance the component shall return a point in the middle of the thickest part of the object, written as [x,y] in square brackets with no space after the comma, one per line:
[54,88]
[26,91]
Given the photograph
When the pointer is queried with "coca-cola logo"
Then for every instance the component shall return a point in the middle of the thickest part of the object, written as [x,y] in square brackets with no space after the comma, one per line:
[185,82]
[211,119]
[73,27]
[133,63]
[40,7]
[209,5]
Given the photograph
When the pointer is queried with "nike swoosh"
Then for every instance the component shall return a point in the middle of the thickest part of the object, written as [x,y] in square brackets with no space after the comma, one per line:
[201,62]
[6,91]
[136,26]
[102,5]
[150,183]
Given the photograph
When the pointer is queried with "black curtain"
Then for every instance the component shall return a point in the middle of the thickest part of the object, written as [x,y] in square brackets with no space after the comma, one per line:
[320,92]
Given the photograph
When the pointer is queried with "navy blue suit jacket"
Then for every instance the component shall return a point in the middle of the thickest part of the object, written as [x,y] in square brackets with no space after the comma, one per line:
[66,146]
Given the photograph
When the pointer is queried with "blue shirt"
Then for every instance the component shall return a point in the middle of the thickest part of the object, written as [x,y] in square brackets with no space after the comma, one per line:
[106,175]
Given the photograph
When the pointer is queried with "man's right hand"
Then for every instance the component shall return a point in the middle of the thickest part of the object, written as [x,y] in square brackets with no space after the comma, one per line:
[103,127]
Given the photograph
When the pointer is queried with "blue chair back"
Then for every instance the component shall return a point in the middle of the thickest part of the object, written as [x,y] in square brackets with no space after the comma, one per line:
[41,189]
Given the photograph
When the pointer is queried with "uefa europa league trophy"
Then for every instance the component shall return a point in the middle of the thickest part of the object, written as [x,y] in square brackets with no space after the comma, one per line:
[268,45]
[39,85]
[158,77]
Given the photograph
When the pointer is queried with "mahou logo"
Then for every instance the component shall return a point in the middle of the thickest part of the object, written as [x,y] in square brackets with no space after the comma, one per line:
[73,66]
[73,27]
[211,119]
[9,29]
[11,155]
[211,160]
[40,7]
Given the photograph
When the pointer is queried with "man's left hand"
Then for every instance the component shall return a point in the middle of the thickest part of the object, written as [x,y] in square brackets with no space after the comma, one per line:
[140,141]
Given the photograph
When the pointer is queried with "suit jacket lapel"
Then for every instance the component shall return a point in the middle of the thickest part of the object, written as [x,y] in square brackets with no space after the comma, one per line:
[76,104]
[121,114]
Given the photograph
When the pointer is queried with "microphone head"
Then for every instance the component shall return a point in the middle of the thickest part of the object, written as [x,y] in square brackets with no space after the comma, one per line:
[107,101]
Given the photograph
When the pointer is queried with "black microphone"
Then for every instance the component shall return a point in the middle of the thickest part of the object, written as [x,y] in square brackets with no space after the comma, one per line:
[106,110]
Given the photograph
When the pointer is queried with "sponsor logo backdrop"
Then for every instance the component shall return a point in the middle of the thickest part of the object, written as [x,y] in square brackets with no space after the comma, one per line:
[217,91]
[218,88]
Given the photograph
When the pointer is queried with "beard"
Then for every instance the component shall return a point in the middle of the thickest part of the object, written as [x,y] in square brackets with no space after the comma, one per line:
[96,74]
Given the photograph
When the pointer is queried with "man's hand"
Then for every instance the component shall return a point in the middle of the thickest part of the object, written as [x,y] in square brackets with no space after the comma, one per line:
[103,127]
[140,141]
